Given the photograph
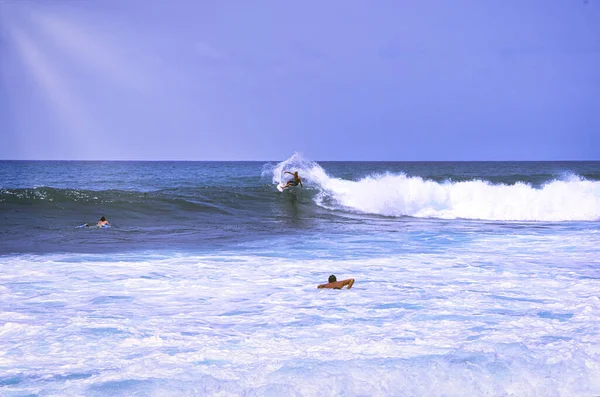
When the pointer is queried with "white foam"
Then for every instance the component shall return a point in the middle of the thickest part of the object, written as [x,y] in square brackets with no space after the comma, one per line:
[493,315]
[399,195]
[568,199]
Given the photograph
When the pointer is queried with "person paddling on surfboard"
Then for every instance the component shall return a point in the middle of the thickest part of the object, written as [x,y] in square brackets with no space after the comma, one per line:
[293,182]
[102,222]
[334,284]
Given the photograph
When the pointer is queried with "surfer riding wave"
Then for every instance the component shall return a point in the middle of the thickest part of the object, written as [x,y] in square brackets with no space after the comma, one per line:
[293,182]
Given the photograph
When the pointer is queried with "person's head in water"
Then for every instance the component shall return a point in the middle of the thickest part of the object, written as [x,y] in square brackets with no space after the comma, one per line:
[103,222]
[332,279]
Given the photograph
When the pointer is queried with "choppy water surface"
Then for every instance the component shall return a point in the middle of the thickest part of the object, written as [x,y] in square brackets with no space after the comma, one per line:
[470,280]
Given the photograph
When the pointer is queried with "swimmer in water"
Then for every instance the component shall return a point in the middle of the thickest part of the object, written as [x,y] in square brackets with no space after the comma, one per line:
[334,284]
[102,222]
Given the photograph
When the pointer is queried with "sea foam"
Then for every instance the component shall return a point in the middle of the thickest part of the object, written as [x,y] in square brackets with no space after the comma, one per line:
[568,199]
[464,321]
[400,195]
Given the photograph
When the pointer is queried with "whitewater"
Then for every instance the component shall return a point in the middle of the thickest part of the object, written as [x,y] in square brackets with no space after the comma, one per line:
[472,279]
[570,198]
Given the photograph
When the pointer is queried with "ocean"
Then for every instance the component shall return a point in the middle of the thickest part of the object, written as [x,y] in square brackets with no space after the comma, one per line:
[472,279]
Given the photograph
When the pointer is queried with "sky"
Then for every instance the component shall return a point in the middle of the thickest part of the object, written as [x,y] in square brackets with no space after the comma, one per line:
[332,80]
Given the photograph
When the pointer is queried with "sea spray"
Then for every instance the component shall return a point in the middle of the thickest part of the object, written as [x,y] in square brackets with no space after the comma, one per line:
[307,169]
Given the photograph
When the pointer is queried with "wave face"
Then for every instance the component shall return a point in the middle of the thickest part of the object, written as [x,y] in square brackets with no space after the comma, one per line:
[236,191]
[223,203]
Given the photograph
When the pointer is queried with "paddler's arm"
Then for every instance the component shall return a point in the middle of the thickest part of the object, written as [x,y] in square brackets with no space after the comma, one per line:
[349,283]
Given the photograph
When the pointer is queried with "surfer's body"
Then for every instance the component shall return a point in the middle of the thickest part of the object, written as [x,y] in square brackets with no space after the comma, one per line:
[293,182]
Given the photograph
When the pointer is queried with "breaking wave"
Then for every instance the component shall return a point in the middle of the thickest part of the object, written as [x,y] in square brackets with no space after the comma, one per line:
[571,198]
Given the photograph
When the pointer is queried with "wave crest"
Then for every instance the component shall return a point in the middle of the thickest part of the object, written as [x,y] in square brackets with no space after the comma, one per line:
[570,198]
[397,195]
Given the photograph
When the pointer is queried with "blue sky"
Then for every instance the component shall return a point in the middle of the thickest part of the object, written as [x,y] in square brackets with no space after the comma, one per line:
[333,80]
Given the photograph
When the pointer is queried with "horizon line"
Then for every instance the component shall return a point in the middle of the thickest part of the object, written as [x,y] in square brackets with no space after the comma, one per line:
[330,161]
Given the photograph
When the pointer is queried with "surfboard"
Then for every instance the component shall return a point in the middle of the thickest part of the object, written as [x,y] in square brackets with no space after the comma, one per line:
[280,187]
[99,227]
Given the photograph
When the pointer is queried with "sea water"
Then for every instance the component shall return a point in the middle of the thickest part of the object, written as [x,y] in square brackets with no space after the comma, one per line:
[472,279]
